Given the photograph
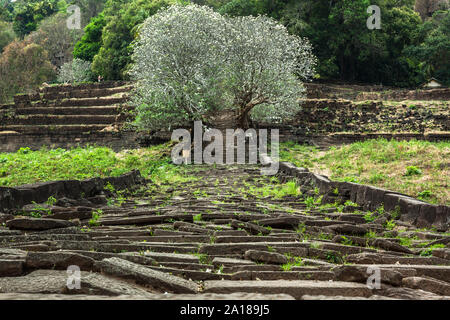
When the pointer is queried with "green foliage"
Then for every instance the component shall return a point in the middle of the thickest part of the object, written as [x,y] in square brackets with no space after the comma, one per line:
[96,215]
[390,224]
[429,251]
[51,201]
[122,19]
[345,47]
[431,50]
[388,158]
[27,14]
[90,43]
[23,67]
[7,34]
[425,194]
[412,170]
[346,241]
[83,163]
[58,40]
[293,262]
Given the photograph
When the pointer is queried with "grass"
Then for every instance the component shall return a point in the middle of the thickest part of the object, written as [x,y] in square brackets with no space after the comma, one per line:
[26,166]
[275,191]
[416,168]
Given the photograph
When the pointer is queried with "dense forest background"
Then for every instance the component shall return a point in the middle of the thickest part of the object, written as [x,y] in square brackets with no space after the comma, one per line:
[412,45]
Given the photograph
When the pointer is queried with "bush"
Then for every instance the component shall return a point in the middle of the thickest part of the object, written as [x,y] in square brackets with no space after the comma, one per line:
[90,43]
[6,34]
[75,71]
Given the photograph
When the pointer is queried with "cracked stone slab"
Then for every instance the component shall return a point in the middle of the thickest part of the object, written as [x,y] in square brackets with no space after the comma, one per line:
[207,296]
[146,276]
[58,260]
[55,282]
[38,224]
[296,288]
[427,284]
[10,267]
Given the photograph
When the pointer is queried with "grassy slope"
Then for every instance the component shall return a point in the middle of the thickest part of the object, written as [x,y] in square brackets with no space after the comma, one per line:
[26,166]
[383,164]
[380,163]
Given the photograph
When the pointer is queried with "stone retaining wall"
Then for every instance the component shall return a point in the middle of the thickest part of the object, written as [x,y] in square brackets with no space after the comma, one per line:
[11,142]
[11,198]
[417,212]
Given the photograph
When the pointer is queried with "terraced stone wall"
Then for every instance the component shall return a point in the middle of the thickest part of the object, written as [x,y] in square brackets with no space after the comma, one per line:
[11,198]
[331,115]
[417,212]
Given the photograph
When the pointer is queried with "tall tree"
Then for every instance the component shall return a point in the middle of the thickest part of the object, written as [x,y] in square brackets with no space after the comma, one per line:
[23,66]
[190,61]
[27,14]
[90,43]
[56,38]
[7,34]
[114,56]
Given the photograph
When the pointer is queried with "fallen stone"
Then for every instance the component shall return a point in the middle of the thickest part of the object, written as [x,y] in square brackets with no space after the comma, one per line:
[37,224]
[57,260]
[265,256]
[410,294]
[361,274]
[294,288]
[240,296]
[389,245]
[347,229]
[55,282]
[10,268]
[427,284]
[442,253]
[250,227]
[5,217]
[218,261]
[146,276]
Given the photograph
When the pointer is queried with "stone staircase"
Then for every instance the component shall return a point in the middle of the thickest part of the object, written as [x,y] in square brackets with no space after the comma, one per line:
[218,236]
[64,115]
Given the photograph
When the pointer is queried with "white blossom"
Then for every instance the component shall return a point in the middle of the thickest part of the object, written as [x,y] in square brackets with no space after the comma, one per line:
[190,60]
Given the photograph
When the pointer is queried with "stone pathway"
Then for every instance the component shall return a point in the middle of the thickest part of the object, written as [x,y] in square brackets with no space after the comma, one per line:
[228,233]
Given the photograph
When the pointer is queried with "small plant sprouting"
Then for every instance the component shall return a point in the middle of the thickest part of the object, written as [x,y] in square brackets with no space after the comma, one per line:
[94,222]
[390,224]
[412,171]
[51,201]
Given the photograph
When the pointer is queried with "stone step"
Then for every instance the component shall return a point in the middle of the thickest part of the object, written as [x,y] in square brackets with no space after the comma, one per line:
[85,86]
[85,102]
[85,93]
[149,277]
[54,129]
[50,119]
[149,296]
[91,110]
[55,282]
[295,288]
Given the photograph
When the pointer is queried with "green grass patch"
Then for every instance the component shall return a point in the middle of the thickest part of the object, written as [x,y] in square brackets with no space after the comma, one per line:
[26,166]
[417,168]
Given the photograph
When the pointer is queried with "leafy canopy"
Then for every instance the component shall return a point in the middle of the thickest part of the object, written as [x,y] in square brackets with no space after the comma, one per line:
[191,61]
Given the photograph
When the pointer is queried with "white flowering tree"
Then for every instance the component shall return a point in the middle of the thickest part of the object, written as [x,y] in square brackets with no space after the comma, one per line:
[75,71]
[190,61]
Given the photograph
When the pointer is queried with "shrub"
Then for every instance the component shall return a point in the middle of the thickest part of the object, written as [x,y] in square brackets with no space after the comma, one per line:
[75,71]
